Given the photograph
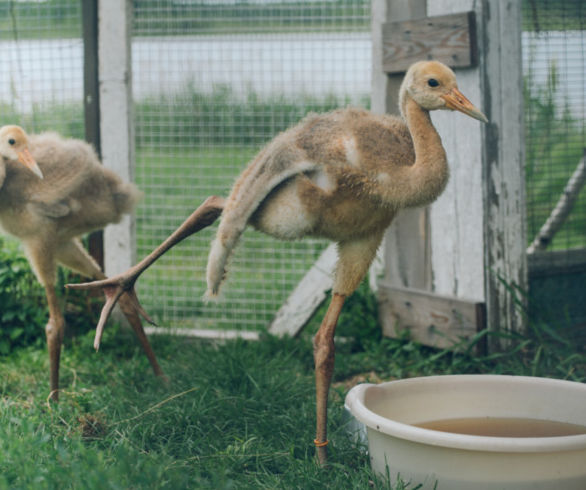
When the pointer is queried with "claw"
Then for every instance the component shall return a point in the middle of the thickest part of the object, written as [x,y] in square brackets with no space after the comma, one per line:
[131,295]
[115,287]
[92,285]
[112,293]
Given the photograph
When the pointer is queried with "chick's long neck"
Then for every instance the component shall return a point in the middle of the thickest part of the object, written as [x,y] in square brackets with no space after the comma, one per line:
[429,174]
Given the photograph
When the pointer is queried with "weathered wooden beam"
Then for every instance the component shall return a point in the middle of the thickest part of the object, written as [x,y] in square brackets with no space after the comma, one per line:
[505,234]
[204,334]
[432,319]
[450,39]
[307,296]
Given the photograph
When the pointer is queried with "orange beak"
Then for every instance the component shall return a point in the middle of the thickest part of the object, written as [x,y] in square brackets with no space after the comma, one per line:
[27,160]
[456,101]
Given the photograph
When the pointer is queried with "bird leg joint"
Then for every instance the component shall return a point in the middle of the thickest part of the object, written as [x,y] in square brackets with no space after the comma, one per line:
[323,353]
[54,330]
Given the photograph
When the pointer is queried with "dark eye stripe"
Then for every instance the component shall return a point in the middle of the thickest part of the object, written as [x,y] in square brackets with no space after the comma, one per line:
[432,82]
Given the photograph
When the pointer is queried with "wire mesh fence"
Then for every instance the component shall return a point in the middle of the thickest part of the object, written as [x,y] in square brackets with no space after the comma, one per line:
[554,60]
[41,65]
[213,82]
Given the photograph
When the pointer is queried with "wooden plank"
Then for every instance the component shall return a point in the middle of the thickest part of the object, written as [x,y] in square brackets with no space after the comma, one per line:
[450,39]
[503,176]
[307,296]
[205,334]
[385,88]
[407,250]
[434,320]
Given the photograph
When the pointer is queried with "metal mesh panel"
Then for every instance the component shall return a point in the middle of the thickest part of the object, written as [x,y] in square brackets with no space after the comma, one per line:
[213,82]
[554,61]
[41,66]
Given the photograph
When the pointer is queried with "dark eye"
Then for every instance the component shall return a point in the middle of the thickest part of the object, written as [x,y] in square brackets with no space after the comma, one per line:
[11,141]
[432,82]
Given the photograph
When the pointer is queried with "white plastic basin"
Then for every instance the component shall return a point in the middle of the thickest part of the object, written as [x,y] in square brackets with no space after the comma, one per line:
[456,461]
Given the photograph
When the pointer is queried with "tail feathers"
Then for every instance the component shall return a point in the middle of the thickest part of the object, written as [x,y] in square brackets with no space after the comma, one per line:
[249,192]
[216,270]
[126,197]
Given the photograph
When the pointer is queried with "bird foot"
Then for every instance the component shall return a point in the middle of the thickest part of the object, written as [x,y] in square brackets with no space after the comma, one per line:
[113,288]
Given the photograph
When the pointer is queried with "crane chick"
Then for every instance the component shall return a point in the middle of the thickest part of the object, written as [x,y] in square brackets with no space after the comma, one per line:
[52,191]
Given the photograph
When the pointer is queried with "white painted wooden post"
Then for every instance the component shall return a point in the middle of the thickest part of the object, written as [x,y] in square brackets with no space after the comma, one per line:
[116,124]
[457,217]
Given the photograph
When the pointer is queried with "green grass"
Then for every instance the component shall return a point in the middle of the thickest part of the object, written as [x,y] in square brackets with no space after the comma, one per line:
[236,415]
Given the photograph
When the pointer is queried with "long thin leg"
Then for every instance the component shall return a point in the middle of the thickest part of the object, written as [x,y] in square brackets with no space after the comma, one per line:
[72,255]
[113,288]
[41,255]
[127,307]
[54,333]
[324,355]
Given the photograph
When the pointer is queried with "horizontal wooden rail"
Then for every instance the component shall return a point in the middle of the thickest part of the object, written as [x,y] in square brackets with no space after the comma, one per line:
[450,39]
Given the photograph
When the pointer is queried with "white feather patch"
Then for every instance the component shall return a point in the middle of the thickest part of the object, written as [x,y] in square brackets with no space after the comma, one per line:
[323,181]
[351,151]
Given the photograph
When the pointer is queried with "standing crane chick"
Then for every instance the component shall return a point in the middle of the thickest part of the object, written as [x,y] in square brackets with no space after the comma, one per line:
[52,190]
[344,176]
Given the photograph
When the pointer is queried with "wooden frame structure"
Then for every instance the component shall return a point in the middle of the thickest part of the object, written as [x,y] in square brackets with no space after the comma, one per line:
[449,268]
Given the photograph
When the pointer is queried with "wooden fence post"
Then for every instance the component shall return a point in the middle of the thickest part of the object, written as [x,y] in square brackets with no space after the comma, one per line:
[116,123]
[505,233]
